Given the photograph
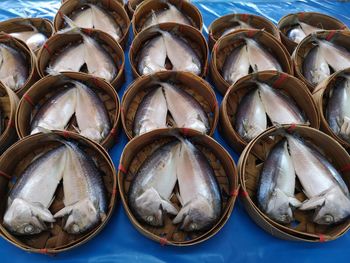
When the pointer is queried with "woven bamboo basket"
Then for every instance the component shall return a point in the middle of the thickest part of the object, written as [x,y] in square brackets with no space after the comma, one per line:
[190,83]
[119,1]
[136,152]
[293,87]
[340,37]
[115,8]
[217,28]
[59,41]
[132,5]
[47,87]
[228,43]
[8,105]
[251,164]
[321,96]
[15,25]
[29,56]
[195,39]
[144,11]
[14,161]
[319,20]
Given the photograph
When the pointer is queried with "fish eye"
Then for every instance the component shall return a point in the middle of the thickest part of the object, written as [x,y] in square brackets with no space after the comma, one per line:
[28,229]
[150,219]
[75,228]
[193,227]
[328,218]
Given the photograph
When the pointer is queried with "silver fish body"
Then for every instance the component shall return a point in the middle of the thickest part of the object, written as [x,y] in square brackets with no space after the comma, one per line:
[84,192]
[280,108]
[251,117]
[151,113]
[276,185]
[185,110]
[91,114]
[151,189]
[300,31]
[29,199]
[70,58]
[199,191]
[152,56]
[236,65]
[322,184]
[13,69]
[337,57]
[34,39]
[315,66]
[338,109]
[56,112]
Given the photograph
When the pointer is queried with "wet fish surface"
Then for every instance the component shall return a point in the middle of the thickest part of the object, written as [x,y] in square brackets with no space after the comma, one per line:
[84,192]
[276,185]
[29,199]
[151,188]
[315,67]
[337,57]
[71,58]
[199,191]
[298,32]
[32,37]
[13,68]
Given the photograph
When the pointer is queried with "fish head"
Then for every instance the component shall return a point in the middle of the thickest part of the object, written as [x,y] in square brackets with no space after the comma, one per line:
[24,218]
[279,207]
[82,216]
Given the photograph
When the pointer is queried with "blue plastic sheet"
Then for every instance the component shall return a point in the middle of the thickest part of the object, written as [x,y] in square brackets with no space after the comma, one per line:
[240,239]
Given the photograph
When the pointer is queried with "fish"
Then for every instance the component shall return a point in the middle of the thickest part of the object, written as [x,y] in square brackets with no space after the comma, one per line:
[181,54]
[324,187]
[151,113]
[171,14]
[259,58]
[280,108]
[91,114]
[85,201]
[337,57]
[298,32]
[199,192]
[251,118]
[71,58]
[98,18]
[277,183]
[33,38]
[13,68]
[28,201]
[152,187]
[338,109]
[56,112]
[236,65]
[185,110]
[315,67]
[152,56]
[237,24]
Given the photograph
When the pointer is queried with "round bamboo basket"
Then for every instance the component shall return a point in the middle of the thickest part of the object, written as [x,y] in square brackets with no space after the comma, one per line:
[29,57]
[8,105]
[195,39]
[14,161]
[136,152]
[321,97]
[341,38]
[319,20]
[46,88]
[227,44]
[15,25]
[119,1]
[251,164]
[59,41]
[293,87]
[198,88]
[144,12]
[132,5]
[115,8]
[217,28]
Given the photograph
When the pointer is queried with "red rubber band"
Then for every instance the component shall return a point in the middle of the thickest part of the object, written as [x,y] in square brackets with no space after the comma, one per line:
[3,174]
[114,191]
[251,33]
[88,31]
[215,106]
[185,131]
[301,15]
[244,17]
[330,35]
[346,168]
[66,134]
[43,250]
[60,14]
[94,81]
[122,169]
[291,127]
[244,193]
[7,36]
[163,241]
[234,192]
[46,46]
[322,238]
[11,124]
[282,77]
[113,131]
[28,99]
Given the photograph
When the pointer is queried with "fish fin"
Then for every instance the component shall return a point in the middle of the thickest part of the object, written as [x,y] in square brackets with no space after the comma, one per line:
[72,27]
[294,202]
[168,207]
[312,203]
[63,212]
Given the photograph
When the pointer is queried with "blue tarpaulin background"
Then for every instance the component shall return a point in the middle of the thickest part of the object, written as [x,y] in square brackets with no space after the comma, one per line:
[240,239]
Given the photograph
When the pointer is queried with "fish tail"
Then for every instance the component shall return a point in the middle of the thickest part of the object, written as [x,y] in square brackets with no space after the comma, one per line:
[72,27]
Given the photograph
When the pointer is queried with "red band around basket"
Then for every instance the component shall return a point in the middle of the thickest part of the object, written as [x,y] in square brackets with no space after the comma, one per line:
[282,77]
[301,15]
[234,192]
[11,124]
[163,241]
[215,106]
[114,191]
[46,46]
[28,99]
[250,33]
[43,250]
[330,35]
[122,168]
[345,168]
[244,193]
[291,127]
[244,17]
[185,131]
[66,134]
[113,132]
[60,14]
[94,80]
[88,31]
[3,174]
[322,238]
